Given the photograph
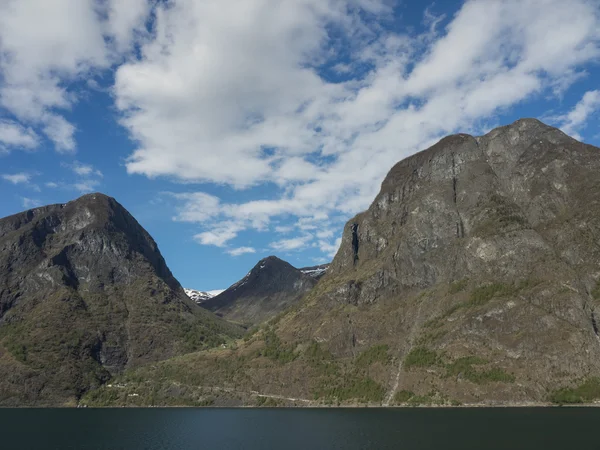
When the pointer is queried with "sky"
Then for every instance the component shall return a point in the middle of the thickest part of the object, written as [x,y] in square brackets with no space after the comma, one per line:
[237,129]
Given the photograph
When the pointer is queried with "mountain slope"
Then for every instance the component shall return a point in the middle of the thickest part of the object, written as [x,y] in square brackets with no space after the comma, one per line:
[268,289]
[85,294]
[472,278]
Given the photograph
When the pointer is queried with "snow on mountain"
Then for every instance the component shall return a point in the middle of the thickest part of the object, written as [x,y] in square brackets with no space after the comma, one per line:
[315,271]
[201,296]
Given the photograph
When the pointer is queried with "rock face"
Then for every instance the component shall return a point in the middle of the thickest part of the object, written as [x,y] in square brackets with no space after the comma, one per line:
[478,247]
[85,294]
[268,289]
[473,277]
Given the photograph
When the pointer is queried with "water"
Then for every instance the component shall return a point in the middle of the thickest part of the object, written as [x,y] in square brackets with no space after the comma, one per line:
[250,429]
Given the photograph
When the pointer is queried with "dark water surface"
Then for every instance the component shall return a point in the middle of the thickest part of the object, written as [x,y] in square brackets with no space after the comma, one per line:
[253,429]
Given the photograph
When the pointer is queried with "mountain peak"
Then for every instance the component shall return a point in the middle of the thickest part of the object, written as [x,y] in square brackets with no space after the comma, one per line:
[266,290]
[86,273]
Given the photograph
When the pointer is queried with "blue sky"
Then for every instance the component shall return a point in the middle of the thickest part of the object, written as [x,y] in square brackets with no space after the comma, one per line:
[236,129]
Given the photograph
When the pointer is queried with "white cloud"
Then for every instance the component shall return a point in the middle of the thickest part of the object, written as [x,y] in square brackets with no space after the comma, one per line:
[577,118]
[219,236]
[296,243]
[13,135]
[85,186]
[30,202]
[125,20]
[328,248]
[51,185]
[242,85]
[46,45]
[324,234]
[83,170]
[17,178]
[234,92]
[284,229]
[59,131]
[241,251]
[88,178]
[198,207]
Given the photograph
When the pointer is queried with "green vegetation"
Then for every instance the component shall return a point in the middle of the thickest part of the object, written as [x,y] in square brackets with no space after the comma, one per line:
[315,354]
[320,359]
[275,350]
[431,398]
[596,291]
[586,392]
[377,353]
[421,357]
[198,335]
[464,367]
[430,336]
[19,351]
[403,396]
[350,386]
[502,214]
[251,333]
[458,286]
[266,402]
[483,294]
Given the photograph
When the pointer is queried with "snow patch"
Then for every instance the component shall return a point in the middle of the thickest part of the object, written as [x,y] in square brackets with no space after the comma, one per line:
[201,296]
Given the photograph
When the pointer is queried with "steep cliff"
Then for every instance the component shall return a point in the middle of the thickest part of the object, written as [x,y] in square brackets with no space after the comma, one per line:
[85,294]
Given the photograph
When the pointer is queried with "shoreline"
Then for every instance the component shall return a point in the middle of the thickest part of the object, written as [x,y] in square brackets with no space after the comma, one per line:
[465,406]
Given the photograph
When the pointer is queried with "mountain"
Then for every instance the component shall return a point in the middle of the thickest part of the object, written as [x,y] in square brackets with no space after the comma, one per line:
[201,296]
[268,289]
[317,272]
[85,294]
[472,278]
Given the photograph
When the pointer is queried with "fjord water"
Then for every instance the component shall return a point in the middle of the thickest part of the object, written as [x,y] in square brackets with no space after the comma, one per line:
[254,429]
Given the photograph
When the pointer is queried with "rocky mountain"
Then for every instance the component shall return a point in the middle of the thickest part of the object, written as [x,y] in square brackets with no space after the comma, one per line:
[472,278]
[201,296]
[85,294]
[316,272]
[268,289]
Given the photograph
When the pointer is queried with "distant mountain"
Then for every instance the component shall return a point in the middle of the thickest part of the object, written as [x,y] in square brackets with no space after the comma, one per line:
[317,272]
[201,296]
[85,294]
[269,288]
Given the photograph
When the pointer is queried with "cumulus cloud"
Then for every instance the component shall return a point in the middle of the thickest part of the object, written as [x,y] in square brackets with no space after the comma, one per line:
[318,97]
[45,46]
[30,202]
[85,186]
[13,135]
[291,244]
[241,251]
[328,248]
[247,85]
[577,118]
[87,178]
[82,169]
[220,234]
[17,178]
